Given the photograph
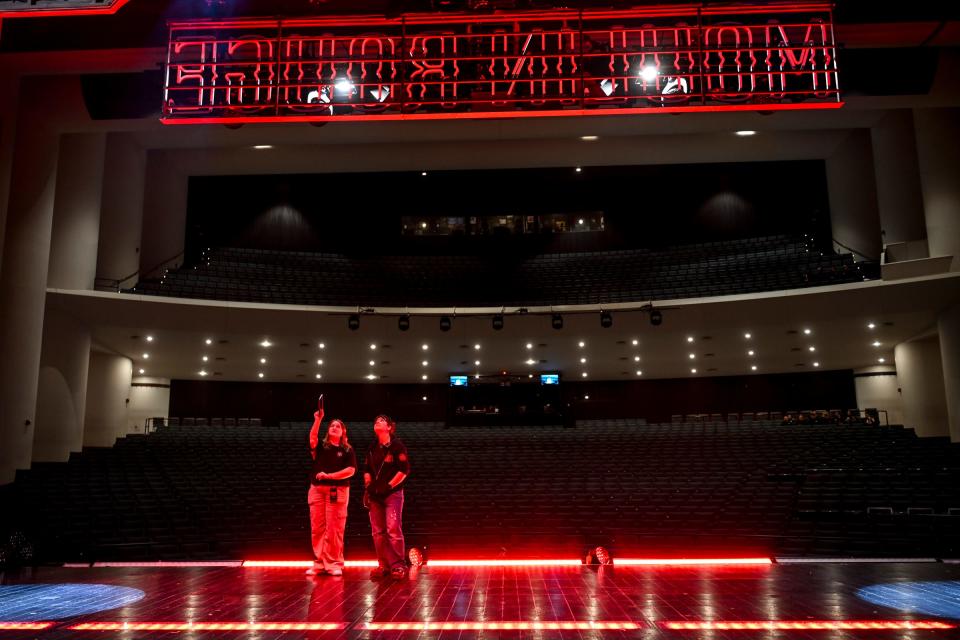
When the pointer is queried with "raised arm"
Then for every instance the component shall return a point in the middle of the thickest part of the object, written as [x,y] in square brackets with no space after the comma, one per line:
[315,430]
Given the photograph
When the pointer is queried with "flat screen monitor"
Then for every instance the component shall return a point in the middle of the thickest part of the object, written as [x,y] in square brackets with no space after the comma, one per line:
[458,381]
[549,378]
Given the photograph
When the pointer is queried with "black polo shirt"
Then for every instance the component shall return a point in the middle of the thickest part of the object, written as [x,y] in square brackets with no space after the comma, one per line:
[330,459]
[393,458]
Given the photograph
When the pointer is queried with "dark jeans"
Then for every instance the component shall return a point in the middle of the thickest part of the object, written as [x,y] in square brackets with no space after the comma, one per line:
[386,524]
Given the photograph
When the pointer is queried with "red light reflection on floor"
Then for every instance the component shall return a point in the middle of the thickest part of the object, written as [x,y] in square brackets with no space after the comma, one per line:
[25,626]
[806,625]
[504,625]
[207,626]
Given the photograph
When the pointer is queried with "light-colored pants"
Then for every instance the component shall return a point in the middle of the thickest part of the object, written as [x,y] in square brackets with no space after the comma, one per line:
[386,523]
[327,522]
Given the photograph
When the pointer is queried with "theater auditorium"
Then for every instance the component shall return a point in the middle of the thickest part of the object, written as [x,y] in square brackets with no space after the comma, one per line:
[479,319]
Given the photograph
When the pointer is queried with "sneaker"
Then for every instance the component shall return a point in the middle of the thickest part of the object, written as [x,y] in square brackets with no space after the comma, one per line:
[314,571]
[379,572]
[336,571]
[398,573]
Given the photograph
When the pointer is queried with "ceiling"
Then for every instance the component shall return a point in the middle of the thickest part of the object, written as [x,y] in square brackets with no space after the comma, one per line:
[837,318]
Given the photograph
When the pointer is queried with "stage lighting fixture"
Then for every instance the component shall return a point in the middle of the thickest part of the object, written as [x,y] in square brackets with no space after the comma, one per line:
[656,318]
[380,94]
[417,557]
[606,320]
[608,86]
[445,323]
[602,555]
[556,321]
[497,322]
[353,322]
[403,323]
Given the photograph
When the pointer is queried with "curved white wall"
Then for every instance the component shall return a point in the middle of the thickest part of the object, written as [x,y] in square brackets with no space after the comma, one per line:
[108,391]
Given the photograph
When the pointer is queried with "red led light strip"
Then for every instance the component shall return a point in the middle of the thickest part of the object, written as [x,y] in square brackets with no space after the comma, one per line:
[534,562]
[809,625]
[562,625]
[42,12]
[208,626]
[25,626]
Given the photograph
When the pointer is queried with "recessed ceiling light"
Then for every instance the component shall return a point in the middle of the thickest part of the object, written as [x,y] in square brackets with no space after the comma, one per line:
[745,133]
[373,347]
[531,361]
[589,138]
[876,343]
[579,170]
[476,347]
[320,362]
[636,358]
[529,345]
[753,368]
[370,376]
[476,362]
[425,347]
[149,338]
[142,372]
[635,342]
[424,398]
[476,376]
[146,356]
[318,376]
[871,326]
[260,375]
[261,147]
[583,361]
[423,377]
[881,360]
[747,335]
[811,349]
[208,341]
[586,396]
[750,353]
[205,358]
[582,344]
[424,363]
[202,372]
[529,375]
[584,374]
[423,173]
[372,363]
[639,373]
[263,361]
[816,364]
[693,370]
[806,332]
[693,356]
[266,343]
[322,345]
[689,338]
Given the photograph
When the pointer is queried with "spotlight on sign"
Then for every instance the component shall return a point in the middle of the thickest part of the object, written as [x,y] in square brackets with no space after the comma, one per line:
[380,94]
[608,86]
[343,86]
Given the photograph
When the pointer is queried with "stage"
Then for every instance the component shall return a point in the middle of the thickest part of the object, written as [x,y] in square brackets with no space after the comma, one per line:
[788,600]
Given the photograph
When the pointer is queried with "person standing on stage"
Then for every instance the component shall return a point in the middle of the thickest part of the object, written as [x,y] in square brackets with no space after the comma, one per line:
[386,467]
[334,463]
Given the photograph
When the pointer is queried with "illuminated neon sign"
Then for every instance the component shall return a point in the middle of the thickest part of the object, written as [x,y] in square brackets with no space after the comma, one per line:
[534,63]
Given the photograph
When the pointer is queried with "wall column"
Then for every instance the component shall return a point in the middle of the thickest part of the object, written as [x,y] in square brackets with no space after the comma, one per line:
[108,394]
[921,385]
[949,327]
[938,150]
[852,188]
[899,193]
